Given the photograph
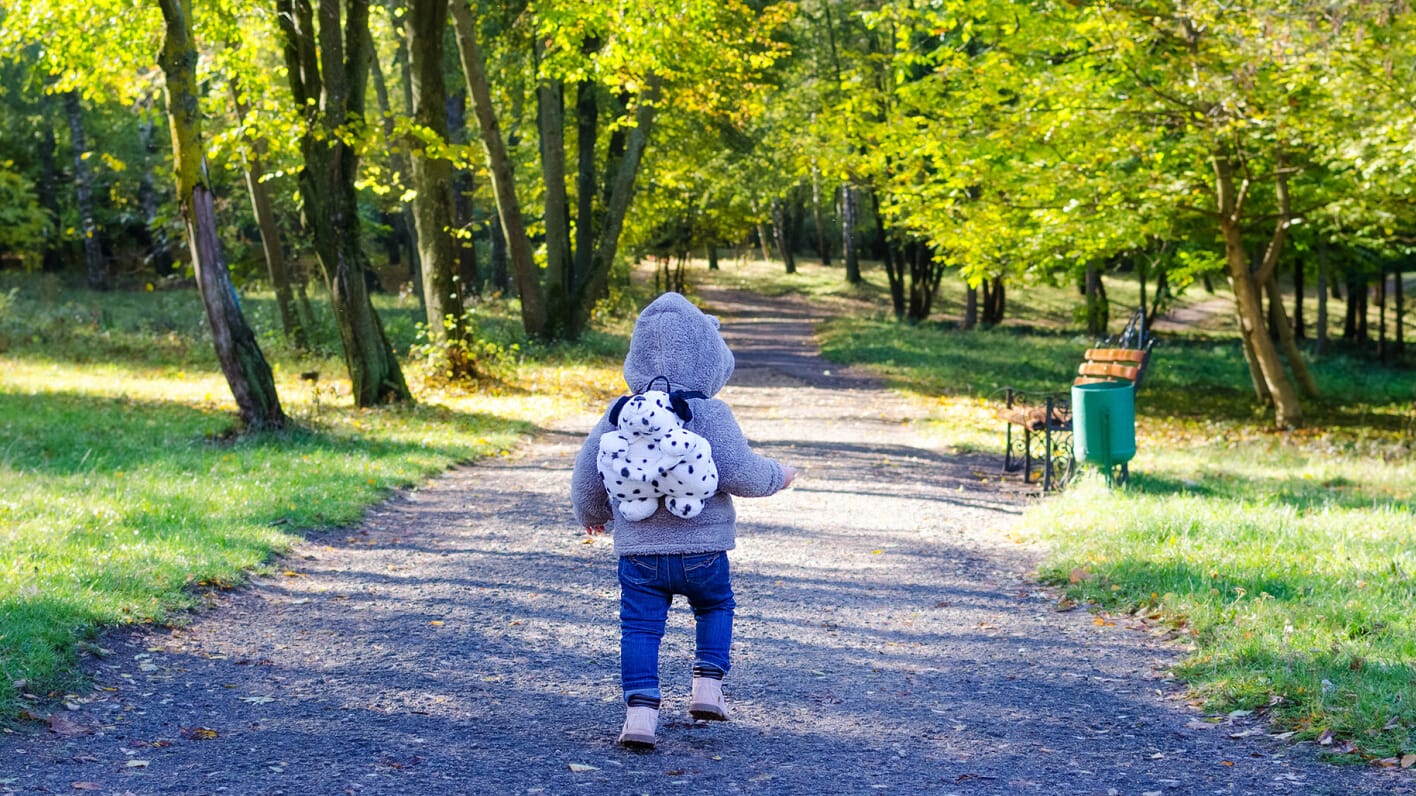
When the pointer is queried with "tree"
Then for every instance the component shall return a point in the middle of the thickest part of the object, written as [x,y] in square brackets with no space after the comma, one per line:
[623,66]
[327,67]
[245,367]
[95,267]
[432,184]
[499,164]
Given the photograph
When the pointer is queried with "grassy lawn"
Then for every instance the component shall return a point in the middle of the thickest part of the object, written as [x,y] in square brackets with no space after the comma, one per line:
[123,495]
[1284,562]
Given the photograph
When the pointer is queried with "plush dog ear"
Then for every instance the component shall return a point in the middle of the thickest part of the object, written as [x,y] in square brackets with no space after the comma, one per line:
[678,399]
[615,410]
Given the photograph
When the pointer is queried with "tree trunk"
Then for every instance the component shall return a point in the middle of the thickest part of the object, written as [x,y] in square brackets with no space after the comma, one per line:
[625,173]
[560,265]
[1097,319]
[432,183]
[501,282]
[1256,372]
[1322,295]
[712,256]
[244,366]
[463,210]
[762,239]
[94,266]
[328,71]
[587,122]
[48,185]
[1247,286]
[781,236]
[404,226]
[1288,342]
[970,307]
[851,245]
[271,245]
[1000,301]
[1354,328]
[1399,305]
[823,246]
[1299,330]
[523,261]
[894,266]
[1381,296]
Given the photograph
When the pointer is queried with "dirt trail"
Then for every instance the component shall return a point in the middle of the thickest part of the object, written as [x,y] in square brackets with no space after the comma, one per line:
[463,639]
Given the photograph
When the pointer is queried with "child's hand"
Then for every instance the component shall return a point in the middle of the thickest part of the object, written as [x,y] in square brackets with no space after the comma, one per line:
[791,473]
[594,530]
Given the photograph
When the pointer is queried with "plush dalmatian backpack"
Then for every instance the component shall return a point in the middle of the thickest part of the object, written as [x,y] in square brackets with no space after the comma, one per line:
[650,455]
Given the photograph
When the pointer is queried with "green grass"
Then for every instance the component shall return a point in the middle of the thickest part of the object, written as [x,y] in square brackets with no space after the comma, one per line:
[123,494]
[1284,561]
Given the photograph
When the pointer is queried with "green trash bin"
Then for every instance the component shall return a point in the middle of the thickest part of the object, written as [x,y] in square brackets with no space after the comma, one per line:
[1104,424]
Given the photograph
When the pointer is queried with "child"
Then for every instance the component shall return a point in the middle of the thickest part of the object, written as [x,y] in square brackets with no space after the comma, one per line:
[665,554]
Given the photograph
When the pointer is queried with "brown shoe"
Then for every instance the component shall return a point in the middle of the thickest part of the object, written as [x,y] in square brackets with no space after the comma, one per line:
[707,700]
[639,726]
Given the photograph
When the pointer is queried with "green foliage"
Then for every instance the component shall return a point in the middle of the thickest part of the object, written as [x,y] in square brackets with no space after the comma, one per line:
[472,357]
[22,221]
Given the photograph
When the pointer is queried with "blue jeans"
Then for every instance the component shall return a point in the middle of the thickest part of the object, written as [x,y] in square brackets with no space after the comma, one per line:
[647,587]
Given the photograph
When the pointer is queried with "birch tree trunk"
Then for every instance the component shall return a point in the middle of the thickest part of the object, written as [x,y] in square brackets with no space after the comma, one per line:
[245,368]
[848,235]
[94,266]
[823,246]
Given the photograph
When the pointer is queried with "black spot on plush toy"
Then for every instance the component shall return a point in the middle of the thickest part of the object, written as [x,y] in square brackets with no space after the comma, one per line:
[652,456]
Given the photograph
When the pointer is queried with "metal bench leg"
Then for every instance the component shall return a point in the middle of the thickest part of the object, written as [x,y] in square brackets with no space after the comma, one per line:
[1027,455]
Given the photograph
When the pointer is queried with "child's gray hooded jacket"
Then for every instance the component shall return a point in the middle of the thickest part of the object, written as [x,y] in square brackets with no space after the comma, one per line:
[675,340]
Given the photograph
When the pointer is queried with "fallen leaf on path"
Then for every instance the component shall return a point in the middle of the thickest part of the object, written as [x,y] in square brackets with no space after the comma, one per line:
[1407,761]
[62,725]
[137,764]
[85,786]
[1386,762]
[1197,724]
[581,768]
[1326,738]
[198,733]
[258,700]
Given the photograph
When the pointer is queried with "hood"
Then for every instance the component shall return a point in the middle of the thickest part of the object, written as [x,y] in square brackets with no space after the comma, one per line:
[676,340]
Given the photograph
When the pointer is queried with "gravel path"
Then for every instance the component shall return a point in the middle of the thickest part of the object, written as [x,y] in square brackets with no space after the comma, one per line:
[464,639]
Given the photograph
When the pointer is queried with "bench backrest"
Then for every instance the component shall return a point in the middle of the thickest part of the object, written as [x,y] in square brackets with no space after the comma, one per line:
[1112,364]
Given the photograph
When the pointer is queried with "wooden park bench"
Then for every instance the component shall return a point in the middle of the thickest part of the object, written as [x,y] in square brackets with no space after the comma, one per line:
[1038,426]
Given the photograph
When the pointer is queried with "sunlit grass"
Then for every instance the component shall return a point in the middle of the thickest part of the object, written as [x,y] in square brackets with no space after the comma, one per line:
[122,486]
[1285,560]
